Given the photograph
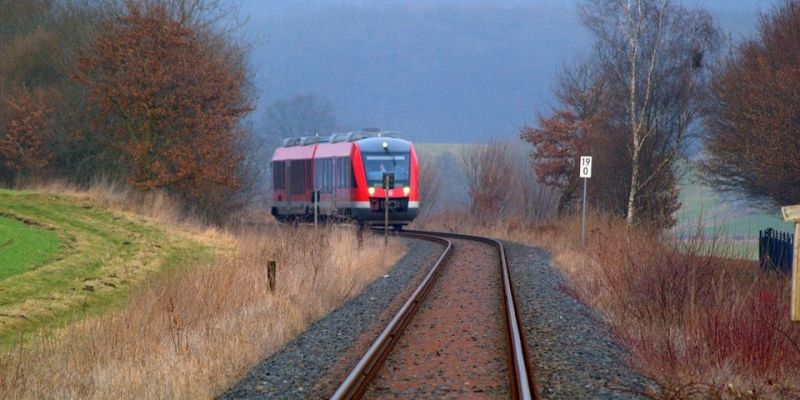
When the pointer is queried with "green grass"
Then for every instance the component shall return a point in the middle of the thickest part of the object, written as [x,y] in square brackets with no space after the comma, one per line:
[729,219]
[69,259]
[735,223]
[24,246]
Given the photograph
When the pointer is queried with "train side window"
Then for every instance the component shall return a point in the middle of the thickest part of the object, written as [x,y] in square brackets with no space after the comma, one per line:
[344,173]
[309,176]
[324,169]
[278,175]
[324,175]
[330,175]
[297,176]
[317,174]
[337,180]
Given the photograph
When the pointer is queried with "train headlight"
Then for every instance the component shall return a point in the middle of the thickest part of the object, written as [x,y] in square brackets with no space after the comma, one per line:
[385,145]
[371,190]
[406,190]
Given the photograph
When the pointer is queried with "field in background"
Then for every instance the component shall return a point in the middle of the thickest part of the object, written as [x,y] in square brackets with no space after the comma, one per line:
[24,246]
[733,219]
[189,331]
[734,222]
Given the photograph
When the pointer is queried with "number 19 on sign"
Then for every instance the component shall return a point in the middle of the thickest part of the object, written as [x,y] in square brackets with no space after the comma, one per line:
[585,173]
[586,167]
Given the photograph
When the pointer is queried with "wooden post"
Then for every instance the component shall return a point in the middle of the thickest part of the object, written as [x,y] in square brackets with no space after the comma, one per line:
[271,267]
[792,213]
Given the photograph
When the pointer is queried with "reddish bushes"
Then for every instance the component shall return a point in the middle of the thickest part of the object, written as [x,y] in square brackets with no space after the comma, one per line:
[693,315]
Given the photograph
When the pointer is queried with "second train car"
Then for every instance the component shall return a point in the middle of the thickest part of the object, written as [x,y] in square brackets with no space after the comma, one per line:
[346,170]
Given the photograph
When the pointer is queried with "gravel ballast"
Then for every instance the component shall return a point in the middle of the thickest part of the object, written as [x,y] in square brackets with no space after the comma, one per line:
[293,372]
[574,355]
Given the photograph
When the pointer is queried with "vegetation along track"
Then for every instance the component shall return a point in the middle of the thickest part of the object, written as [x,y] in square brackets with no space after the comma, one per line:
[457,332]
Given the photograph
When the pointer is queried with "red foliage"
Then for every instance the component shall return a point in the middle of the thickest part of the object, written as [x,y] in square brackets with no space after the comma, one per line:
[170,97]
[558,144]
[753,139]
[24,120]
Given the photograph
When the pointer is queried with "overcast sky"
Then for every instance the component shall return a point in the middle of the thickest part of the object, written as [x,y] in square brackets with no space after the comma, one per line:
[437,70]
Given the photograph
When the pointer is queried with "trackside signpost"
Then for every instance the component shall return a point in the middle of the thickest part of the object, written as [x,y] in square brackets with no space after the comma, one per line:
[792,214]
[388,183]
[585,174]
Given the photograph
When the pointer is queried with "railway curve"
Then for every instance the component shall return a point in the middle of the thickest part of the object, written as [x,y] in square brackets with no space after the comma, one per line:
[520,383]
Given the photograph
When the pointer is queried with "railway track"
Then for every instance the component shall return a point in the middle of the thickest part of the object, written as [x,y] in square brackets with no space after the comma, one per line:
[519,381]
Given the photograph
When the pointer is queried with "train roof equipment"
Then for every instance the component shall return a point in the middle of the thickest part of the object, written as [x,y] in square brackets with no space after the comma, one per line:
[353,136]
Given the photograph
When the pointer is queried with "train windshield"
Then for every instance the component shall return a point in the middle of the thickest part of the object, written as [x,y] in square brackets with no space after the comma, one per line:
[376,164]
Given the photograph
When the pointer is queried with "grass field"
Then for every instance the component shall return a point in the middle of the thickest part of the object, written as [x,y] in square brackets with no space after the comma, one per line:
[731,218]
[62,259]
[735,222]
[24,246]
[156,304]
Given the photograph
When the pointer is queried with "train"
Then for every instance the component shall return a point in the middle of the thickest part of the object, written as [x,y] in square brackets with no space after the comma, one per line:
[345,174]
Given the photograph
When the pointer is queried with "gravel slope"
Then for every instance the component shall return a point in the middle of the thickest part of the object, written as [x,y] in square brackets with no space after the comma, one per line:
[294,371]
[574,356]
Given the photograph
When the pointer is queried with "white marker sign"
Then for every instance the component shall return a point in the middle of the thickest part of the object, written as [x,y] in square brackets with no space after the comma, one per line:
[586,167]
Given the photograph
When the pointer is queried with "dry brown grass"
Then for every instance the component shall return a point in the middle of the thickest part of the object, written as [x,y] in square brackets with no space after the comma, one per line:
[195,331]
[693,315]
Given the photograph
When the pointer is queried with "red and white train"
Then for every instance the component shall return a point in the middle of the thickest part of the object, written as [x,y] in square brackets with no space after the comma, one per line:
[347,172]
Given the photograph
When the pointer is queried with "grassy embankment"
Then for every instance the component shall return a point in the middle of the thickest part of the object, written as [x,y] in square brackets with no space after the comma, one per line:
[63,258]
[692,314]
[175,309]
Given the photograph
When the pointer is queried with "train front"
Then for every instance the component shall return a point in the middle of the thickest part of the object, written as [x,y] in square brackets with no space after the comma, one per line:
[374,157]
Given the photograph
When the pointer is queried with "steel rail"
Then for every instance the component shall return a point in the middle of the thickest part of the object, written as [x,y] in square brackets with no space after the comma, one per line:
[520,373]
[357,381]
[524,386]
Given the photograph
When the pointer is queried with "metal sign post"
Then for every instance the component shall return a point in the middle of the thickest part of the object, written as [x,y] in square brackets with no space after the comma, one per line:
[585,173]
[388,182]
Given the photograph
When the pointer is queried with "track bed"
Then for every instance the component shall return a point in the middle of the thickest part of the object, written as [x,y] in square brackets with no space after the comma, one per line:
[455,347]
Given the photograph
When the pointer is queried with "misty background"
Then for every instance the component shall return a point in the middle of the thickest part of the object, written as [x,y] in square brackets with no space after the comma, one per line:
[438,71]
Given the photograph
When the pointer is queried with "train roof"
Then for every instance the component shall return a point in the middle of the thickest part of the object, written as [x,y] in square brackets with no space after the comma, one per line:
[339,145]
[375,144]
[354,136]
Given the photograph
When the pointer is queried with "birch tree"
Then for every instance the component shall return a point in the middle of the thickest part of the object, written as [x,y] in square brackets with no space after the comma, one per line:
[653,52]
[650,64]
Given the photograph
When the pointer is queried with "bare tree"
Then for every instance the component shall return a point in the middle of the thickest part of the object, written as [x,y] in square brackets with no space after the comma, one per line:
[489,172]
[298,116]
[430,185]
[532,201]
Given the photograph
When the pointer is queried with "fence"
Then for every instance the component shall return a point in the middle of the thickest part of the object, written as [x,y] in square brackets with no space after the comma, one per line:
[775,250]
